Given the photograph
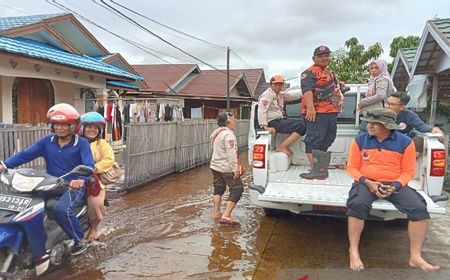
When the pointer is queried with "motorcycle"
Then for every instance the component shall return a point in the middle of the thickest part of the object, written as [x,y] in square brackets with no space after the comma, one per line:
[21,211]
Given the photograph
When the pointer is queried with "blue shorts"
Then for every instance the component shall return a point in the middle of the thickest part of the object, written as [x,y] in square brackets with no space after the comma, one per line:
[406,200]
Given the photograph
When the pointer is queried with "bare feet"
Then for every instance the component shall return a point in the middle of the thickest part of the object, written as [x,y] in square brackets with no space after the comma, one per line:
[355,260]
[92,235]
[228,221]
[216,215]
[423,264]
[284,150]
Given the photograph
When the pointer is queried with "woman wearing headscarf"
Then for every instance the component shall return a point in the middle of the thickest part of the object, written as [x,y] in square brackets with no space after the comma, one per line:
[379,88]
[93,125]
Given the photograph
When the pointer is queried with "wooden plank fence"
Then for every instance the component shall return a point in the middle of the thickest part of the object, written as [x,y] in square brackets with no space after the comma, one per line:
[13,140]
[157,149]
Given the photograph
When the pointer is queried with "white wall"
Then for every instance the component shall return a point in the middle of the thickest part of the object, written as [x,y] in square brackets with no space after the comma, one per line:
[66,82]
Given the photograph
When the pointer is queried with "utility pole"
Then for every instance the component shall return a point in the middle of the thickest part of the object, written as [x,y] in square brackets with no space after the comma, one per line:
[228,79]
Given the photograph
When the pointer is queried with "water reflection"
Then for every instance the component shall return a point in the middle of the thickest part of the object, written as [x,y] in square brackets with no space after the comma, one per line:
[225,249]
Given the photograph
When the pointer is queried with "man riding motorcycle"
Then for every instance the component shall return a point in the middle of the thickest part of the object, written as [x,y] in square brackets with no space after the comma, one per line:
[62,151]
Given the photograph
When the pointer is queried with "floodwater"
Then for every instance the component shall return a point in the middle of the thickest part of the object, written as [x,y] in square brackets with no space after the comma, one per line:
[165,231]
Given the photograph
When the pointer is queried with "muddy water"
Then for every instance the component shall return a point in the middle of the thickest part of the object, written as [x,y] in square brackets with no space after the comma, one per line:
[164,231]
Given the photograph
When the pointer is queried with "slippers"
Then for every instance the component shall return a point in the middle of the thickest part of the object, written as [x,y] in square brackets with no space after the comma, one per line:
[228,221]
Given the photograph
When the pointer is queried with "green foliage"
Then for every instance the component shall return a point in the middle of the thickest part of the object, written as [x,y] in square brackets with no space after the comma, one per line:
[400,43]
[441,109]
[350,64]
[403,42]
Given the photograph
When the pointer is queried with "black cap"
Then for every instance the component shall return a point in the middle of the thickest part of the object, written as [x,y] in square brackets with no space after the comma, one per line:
[321,49]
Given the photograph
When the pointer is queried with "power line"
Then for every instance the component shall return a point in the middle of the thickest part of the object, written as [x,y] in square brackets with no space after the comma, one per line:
[141,47]
[178,31]
[166,26]
[14,9]
[241,59]
[131,36]
[65,8]
[158,36]
[112,11]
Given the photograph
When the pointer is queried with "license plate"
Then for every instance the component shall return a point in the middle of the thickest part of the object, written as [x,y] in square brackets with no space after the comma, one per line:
[14,203]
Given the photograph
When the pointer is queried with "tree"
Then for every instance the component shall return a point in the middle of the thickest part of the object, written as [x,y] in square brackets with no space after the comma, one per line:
[399,43]
[350,64]
[403,42]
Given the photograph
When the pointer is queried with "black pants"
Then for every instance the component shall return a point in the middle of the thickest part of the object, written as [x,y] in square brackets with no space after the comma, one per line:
[406,200]
[321,134]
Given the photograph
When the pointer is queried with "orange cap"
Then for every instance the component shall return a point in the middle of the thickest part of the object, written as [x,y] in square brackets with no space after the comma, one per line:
[277,79]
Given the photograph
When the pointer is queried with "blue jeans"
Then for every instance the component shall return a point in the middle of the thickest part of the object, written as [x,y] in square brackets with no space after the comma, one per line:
[64,212]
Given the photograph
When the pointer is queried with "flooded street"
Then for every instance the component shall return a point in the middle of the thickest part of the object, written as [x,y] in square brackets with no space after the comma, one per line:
[164,231]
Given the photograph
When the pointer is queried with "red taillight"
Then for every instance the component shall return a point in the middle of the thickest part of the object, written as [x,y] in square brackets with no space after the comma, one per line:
[438,162]
[259,156]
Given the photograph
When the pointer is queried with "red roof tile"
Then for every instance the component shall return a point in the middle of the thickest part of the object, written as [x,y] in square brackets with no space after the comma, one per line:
[213,83]
[160,76]
[254,77]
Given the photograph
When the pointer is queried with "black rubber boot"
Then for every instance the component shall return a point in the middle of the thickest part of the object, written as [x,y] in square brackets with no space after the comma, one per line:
[321,161]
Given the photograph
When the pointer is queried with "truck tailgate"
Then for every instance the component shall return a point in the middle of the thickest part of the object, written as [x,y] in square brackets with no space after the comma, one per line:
[326,194]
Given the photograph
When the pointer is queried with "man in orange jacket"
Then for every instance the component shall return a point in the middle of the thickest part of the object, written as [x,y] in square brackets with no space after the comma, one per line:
[382,161]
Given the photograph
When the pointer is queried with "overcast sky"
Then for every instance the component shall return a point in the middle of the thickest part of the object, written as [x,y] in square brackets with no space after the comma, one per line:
[278,36]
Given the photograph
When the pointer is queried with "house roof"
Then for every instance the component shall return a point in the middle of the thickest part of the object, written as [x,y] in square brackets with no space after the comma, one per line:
[213,83]
[117,60]
[254,78]
[34,49]
[164,77]
[122,84]
[433,53]
[435,41]
[401,71]
[14,22]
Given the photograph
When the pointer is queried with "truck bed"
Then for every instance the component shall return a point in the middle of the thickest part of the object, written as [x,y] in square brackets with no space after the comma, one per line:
[288,186]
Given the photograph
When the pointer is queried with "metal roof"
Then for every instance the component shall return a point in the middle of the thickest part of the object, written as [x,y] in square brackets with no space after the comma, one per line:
[31,48]
[13,22]
[121,84]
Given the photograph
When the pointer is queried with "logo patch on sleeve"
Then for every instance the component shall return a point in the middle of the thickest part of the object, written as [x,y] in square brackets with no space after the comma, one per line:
[231,143]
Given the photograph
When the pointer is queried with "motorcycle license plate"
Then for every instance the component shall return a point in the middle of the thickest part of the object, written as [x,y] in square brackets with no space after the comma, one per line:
[14,203]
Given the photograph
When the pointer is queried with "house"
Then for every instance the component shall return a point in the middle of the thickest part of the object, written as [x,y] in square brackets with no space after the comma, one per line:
[48,59]
[432,61]
[203,92]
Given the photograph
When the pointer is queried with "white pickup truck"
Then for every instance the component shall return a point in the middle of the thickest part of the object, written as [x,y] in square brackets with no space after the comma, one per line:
[277,184]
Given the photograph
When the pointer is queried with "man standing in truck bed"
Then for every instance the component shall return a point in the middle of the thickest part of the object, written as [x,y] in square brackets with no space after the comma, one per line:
[322,101]
[382,161]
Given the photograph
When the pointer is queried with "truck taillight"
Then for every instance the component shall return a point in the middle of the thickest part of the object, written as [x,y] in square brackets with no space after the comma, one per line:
[438,162]
[259,156]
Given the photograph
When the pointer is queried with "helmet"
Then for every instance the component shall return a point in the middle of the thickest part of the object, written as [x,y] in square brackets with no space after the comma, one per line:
[63,113]
[277,79]
[95,119]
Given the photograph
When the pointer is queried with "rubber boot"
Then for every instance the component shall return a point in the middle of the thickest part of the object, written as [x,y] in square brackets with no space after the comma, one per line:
[321,161]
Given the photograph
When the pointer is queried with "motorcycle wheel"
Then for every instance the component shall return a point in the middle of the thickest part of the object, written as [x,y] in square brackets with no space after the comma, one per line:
[59,253]
[8,263]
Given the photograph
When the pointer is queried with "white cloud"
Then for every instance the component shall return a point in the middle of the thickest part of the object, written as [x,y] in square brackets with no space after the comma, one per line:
[278,36]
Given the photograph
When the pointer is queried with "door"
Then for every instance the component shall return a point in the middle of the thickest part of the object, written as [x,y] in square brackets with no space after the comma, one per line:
[34,97]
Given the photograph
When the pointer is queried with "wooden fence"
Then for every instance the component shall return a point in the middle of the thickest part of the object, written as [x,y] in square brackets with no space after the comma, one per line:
[157,149]
[13,140]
